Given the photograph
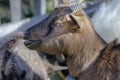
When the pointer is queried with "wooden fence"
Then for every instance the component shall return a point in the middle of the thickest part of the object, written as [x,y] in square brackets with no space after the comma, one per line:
[39,8]
[20,24]
[16,6]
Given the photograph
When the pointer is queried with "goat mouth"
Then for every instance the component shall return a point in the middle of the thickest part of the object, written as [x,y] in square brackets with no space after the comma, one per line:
[31,44]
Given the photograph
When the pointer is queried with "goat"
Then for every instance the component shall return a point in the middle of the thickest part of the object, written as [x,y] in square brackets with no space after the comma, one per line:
[74,36]
[106,20]
[19,63]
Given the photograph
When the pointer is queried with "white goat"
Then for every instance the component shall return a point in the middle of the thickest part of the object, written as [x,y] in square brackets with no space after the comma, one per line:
[106,20]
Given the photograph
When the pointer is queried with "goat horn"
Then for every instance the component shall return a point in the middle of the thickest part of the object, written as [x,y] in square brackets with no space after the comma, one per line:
[74,4]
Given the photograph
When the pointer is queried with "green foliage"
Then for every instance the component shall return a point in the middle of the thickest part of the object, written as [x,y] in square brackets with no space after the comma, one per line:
[5,19]
[54,76]
[28,12]
[50,6]
[4,2]
[57,76]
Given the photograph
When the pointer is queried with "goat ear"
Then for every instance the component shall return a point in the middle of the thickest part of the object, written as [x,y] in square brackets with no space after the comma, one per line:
[75,20]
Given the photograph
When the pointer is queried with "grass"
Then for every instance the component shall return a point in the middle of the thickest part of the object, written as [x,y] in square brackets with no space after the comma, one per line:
[57,76]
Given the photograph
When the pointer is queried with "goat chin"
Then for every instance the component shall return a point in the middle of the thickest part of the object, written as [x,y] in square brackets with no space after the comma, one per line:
[106,20]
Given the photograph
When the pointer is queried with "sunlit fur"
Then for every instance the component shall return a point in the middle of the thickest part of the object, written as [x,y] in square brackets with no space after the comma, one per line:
[87,57]
[79,43]
[107,67]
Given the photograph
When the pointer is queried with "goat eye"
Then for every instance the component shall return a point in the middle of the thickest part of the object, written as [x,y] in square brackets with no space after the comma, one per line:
[60,25]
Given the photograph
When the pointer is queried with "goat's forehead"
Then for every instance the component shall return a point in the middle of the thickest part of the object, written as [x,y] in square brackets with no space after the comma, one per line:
[53,16]
[57,14]
[61,10]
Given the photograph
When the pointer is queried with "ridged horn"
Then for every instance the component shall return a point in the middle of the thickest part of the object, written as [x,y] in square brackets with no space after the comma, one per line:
[73,4]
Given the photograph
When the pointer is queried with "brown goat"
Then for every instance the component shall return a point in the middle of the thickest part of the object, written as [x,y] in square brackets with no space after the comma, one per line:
[87,57]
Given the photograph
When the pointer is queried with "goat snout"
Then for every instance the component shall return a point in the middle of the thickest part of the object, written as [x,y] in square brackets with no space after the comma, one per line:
[31,44]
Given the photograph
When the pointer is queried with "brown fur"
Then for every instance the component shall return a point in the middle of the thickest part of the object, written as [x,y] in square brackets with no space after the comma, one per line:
[77,44]
[41,29]
[74,36]
[107,66]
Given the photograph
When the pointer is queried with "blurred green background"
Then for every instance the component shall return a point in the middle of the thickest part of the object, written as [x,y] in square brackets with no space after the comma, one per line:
[5,15]
[27,7]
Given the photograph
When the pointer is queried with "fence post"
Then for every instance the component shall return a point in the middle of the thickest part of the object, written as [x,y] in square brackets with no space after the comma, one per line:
[0,21]
[16,10]
[56,2]
[39,7]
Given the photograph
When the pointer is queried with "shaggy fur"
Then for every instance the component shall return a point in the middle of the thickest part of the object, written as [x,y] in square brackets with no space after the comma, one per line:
[19,63]
[107,66]
[87,56]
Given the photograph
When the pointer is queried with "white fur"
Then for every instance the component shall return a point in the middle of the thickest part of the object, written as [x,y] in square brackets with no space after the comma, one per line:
[7,30]
[106,20]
